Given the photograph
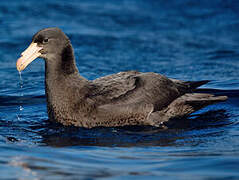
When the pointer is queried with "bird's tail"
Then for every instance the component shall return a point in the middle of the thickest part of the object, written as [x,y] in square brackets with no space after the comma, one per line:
[192,102]
[196,84]
[184,106]
[188,86]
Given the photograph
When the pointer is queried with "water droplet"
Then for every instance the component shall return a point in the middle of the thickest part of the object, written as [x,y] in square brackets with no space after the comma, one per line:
[21,81]
[21,94]
[21,108]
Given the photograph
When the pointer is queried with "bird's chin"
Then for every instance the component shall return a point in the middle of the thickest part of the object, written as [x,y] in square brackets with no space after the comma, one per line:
[29,55]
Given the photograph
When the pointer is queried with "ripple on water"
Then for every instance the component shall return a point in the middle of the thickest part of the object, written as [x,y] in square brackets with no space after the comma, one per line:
[181,39]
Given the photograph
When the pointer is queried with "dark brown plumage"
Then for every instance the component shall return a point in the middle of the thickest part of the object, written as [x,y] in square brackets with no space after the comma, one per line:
[126,98]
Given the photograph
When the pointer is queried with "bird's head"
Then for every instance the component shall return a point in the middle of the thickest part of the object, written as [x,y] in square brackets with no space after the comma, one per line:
[47,43]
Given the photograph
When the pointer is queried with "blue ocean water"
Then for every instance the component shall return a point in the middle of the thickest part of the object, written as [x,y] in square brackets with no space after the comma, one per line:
[184,39]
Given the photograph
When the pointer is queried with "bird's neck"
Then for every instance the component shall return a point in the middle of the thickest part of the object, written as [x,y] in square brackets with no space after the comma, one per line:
[61,77]
[61,70]
[61,64]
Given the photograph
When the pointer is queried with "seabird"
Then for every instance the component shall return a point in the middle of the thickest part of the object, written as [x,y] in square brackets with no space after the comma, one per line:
[125,98]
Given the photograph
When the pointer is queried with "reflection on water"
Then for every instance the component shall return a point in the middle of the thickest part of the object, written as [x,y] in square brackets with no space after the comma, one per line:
[133,136]
[190,40]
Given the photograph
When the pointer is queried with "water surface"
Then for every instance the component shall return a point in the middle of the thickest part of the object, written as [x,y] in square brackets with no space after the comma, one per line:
[189,40]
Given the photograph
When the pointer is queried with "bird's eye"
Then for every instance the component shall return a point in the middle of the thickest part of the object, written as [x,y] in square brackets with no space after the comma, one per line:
[45,40]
